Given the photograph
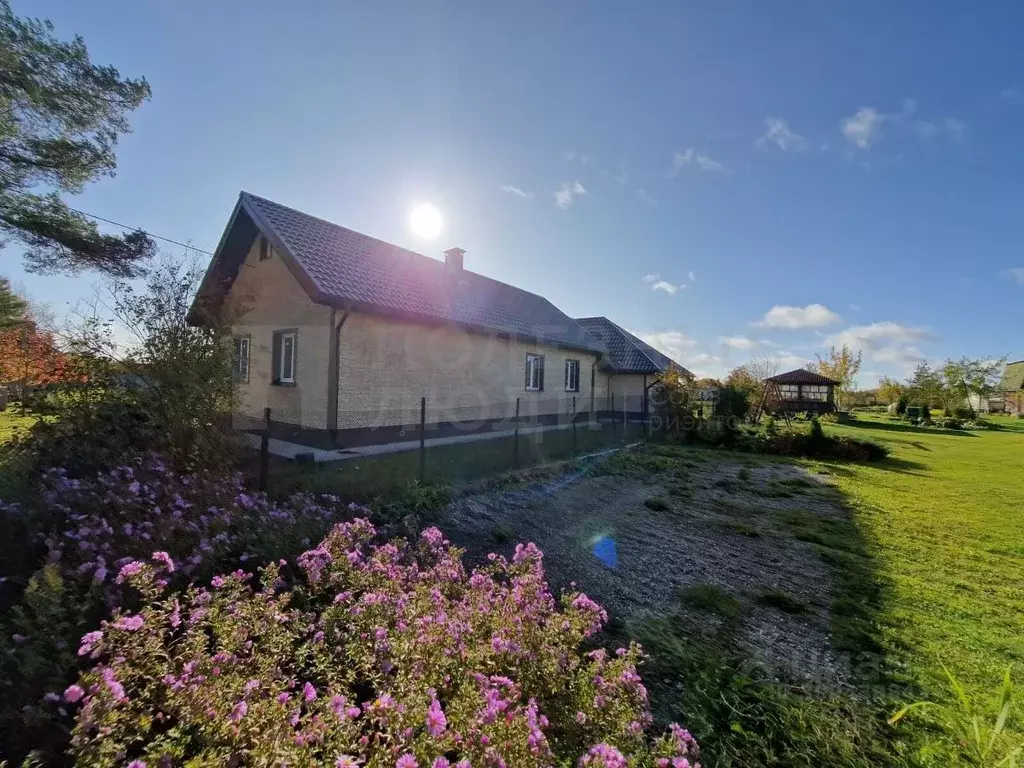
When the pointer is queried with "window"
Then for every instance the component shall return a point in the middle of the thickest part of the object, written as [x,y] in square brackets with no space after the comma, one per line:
[534,373]
[240,360]
[285,343]
[818,392]
[264,249]
[789,391]
[572,375]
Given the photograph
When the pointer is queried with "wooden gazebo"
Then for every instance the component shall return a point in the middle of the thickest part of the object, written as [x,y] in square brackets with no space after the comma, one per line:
[799,391]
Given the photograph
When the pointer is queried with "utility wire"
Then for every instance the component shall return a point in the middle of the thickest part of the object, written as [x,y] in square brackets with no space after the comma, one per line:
[136,229]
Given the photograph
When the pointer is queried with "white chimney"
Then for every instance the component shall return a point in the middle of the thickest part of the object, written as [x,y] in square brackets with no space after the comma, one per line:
[453,259]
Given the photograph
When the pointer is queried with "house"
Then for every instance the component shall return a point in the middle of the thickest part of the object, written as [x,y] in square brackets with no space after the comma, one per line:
[341,334]
[801,391]
[631,366]
[1011,389]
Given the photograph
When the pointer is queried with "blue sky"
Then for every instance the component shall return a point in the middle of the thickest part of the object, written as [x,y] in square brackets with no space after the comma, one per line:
[726,179]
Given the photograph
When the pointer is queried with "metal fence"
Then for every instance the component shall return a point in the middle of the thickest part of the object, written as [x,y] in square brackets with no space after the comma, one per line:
[425,441]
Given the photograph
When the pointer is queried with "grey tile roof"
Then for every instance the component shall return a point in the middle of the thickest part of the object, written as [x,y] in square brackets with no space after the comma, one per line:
[626,353]
[802,376]
[349,268]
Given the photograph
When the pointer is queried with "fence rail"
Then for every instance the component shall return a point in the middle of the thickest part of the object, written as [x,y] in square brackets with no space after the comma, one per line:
[472,441]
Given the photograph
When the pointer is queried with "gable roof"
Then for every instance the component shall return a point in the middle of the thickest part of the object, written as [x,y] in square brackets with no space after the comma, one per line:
[626,353]
[801,376]
[1013,376]
[340,267]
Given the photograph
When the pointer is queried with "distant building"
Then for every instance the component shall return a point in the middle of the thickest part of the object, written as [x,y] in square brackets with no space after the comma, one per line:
[802,391]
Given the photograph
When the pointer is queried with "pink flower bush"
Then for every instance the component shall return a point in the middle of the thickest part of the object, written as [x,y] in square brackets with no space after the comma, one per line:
[379,655]
[185,524]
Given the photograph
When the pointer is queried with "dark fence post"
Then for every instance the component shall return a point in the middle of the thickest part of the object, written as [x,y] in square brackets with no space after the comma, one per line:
[574,425]
[515,439]
[625,416]
[423,439]
[265,450]
[613,415]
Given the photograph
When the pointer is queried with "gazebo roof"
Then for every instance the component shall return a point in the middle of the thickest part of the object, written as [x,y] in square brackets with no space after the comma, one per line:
[802,376]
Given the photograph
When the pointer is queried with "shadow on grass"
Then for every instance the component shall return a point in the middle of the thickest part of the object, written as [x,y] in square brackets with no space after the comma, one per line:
[892,426]
[701,672]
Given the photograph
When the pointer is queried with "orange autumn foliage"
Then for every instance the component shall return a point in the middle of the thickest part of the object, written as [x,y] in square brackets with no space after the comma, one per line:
[30,355]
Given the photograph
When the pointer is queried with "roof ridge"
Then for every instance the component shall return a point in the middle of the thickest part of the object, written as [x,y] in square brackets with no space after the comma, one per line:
[629,337]
[392,245]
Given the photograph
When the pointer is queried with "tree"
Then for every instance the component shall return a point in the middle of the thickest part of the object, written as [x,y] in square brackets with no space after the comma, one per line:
[13,308]
[60,119]
[927,385]
[843,366]
[30,356]
[889,390]
[969,377]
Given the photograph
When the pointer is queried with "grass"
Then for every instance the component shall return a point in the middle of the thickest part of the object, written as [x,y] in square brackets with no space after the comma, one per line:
[711,598]
[776,598]
[12,422]
[942,525]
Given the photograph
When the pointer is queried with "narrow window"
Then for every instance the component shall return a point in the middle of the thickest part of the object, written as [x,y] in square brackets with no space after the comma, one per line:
[264,249]
[285,343]
[572,375]
[240,365]
[534,373]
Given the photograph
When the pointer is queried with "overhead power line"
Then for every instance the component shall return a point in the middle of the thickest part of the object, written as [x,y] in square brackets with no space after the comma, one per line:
[137,229]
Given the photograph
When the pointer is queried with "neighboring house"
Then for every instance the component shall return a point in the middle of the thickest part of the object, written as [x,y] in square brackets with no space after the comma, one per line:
[339,333]
[631,366]
[802,391]
[1012,390]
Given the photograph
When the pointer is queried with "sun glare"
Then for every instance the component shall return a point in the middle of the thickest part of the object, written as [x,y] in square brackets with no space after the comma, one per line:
[425,221]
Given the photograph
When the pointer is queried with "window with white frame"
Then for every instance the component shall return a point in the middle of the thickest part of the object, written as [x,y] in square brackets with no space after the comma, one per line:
[818,392]
[534,373]
[789,391]
[285,343]
[240,358]
[572,375]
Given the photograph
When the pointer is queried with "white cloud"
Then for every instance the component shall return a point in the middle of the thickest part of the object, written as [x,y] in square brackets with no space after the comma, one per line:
[620,177]
[863,127]
[643,195]
[887,342]
[675,344]
[692,275]
[1016,274]
[779,134]
[737,342]
[567,193]
[788,361]
[516,191]
[693,157]
[657,284]
[811,316]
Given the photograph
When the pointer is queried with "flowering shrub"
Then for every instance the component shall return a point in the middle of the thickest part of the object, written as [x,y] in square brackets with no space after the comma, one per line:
[199,520]
[388,655]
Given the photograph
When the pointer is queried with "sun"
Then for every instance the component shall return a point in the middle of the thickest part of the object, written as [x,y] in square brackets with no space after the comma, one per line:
[425,221]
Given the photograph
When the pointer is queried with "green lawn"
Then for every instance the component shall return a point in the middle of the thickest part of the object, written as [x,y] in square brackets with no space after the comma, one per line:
[11,422]
[944,520]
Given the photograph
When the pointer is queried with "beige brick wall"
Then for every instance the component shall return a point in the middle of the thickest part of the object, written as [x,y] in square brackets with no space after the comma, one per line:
[630,386]
[267,298]
[386,365]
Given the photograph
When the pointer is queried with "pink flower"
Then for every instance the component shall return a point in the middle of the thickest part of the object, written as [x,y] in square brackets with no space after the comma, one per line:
[406,761]
[127,571]
[441,762]
[308,692]
[131,623]
[74,693]
[344,761]
[165,559]
[239,711]
[89,640]
[136,764]
[436,721]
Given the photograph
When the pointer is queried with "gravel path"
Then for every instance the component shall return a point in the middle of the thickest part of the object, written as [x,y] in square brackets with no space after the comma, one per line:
[726,531]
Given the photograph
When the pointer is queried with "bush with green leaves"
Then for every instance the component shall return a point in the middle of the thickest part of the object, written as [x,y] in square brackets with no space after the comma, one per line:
[373,655]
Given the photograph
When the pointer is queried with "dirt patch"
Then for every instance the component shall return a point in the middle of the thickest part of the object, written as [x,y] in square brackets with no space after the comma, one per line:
[636,541]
